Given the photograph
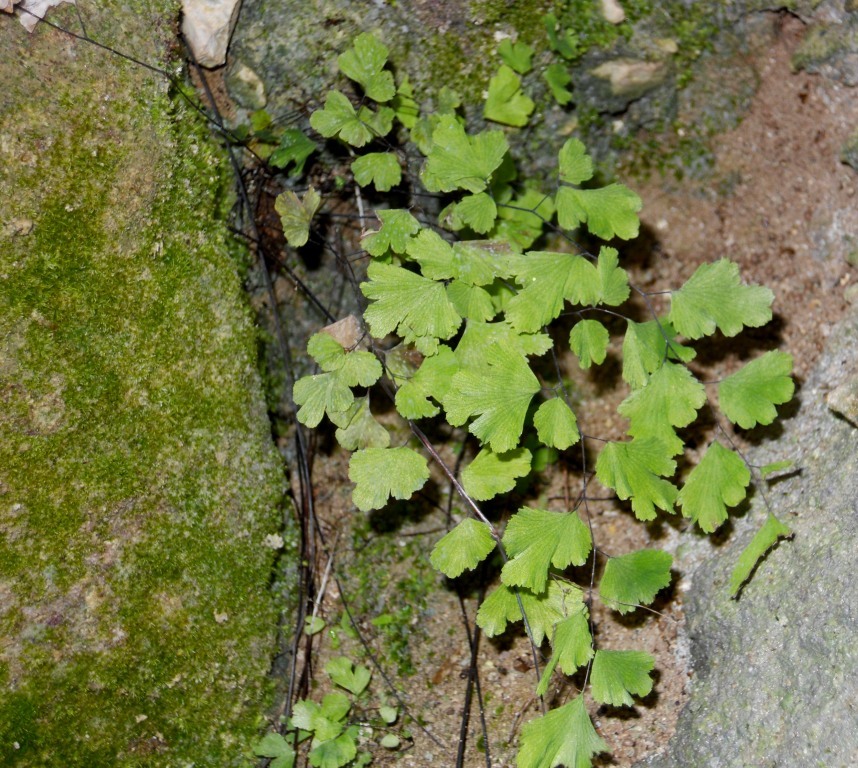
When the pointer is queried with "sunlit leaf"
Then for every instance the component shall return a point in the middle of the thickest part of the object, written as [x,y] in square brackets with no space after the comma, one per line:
[343,672]
[556,424]
[718,481]
[564,737]
[364,63]
[634,579]
[431,380]
[378,168]
[398,227]
[463,548]
[459,161]
[589,341]
[294,147]
[557,76]
[618,675]
[575,164]
[749,396]
[764,539]
[379,473]
[608,212]
[296,215]
[516,55]
[338,118]
[491,474]
[506,103]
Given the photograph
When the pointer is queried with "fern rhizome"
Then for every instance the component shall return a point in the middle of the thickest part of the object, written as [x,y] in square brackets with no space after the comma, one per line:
[461,324]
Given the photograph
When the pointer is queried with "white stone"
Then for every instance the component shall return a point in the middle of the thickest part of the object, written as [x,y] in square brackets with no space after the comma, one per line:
[30,12]
[207,26]
[613,12]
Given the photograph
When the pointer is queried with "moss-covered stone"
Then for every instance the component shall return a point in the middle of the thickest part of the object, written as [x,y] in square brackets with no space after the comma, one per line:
[137,477]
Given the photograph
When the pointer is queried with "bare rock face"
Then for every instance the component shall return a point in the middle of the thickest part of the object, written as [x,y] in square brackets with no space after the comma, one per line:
[776,672]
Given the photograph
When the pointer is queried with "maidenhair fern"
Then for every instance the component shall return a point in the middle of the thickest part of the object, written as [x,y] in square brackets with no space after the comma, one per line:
[455,321]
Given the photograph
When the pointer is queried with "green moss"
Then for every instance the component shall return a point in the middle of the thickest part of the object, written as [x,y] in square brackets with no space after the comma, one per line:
[137,478]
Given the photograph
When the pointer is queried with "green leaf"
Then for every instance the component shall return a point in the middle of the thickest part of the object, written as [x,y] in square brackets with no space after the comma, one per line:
[355,369]
[273,745]
[645,346]
[334,753]
[536,539]
[313,625]
[397,230]
[564,737]
[388,714]
[608,211]
[294,147]
[320,394]
[522,219]
[478,339]
[775,467]
[477,212]
[404,106]
[481,262]
[516,55]
[379,473]
[589,341]
[432,379]
[764,539]
[715,297]
[360,429]
[379,122]
[617,675]
[565,42]
[671,398]
[572,642]
[459,161]
[633,470]
[463,548]
[339,118]
[296,215]
[506,103]
[364,63]
[749,396]
[718,481]
[634,579]
[345,674]
[335,707]
[491,474]
[416,308]
[390,741]
[543,611]
[556,425]
[471,301]
[499,393]
[378,168]
[434,255]
[576,166]
[558,77]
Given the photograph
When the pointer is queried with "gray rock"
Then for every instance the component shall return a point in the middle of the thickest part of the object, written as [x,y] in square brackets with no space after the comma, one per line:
[776,672]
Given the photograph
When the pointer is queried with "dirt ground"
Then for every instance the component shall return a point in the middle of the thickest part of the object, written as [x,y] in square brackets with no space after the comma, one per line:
[781,204]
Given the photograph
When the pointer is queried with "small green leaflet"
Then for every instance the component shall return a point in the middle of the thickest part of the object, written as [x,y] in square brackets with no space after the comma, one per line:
[645,347]
[536,539]
[416,308]
[506,103]
[715,297]
[405,107]
[565,42]
[294,147]
[364,63]
[360,429]
[388,714]
[543,611]
[275,747]
[589,340]
[749,396]
[608,212]
[572,647]
[296,215]
[320,394]
[379,473]
[433,253]
[671,398]
[775,467]
[516,55]
[344,673]
[635,470]
[617,675]
[491,474]
[471,301]
[477,212]
[498,393]
[764,539]
[356,369]
[463,548]
[556,425]
[547,279]
[564,737]
[478,339]
[574,163]
[378,168]
[718,481]
[634,579]
[432,379]
[339,118]
[398,227]
[459,161]
[558,77]
[335,753]
[379,122]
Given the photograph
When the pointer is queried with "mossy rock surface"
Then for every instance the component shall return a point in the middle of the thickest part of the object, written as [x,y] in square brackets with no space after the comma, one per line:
[137,477]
